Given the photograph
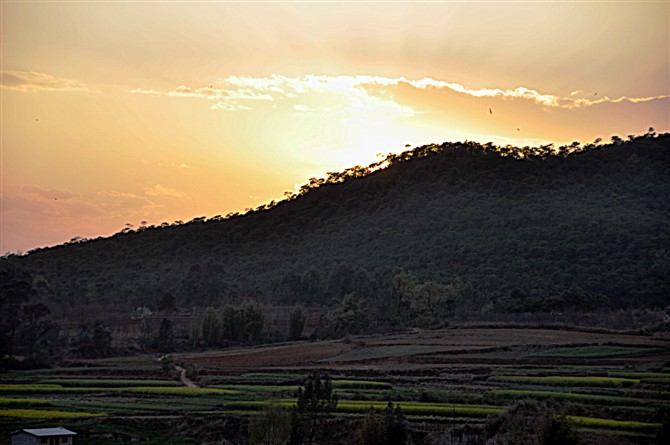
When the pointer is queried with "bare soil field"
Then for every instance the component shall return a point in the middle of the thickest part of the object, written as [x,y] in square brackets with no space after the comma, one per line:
[421,349]
[268,356]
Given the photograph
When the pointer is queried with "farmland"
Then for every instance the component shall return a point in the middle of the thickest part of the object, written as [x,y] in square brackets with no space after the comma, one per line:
[608,385]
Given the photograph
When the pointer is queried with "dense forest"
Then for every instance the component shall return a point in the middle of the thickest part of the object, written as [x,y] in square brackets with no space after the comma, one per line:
[429,232]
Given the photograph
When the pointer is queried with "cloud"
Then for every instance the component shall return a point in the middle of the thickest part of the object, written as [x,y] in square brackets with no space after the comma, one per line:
[29,220]
[580,103]
[227,106]
[347,85]
[517,93]
[358,94]
[226,99]
[27,81]
[125,204]
[50,194]
[40,203]
[159,190]
[323,93]
[117,194]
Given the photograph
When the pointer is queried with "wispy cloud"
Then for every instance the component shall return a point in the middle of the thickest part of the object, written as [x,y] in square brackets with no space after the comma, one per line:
[226,99]
[159,190]
[124,202]
[48,194]
[359,93]
[27,81]
[323,93]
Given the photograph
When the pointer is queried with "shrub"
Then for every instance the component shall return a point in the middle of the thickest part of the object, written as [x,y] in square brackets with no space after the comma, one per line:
[316,400]
[383,427]
[664,433]
[558,430]
[530,422]
[317,397]
[271,427]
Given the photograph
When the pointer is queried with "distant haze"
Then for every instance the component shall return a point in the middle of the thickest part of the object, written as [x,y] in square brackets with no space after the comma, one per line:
[116,113]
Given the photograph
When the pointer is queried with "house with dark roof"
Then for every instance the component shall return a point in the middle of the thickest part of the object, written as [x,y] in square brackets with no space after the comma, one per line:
[44,436]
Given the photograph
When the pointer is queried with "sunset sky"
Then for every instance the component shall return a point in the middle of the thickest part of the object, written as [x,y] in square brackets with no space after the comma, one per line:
[120,112]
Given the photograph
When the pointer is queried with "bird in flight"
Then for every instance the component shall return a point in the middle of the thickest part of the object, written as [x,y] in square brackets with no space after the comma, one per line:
[490,111]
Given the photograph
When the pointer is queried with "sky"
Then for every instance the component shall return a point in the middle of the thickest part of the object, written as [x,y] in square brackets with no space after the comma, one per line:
[114,113]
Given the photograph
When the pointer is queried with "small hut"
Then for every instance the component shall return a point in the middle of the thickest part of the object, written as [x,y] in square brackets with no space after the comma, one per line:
[44,436]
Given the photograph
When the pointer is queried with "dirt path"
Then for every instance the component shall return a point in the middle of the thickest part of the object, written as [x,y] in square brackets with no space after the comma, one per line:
[185,380]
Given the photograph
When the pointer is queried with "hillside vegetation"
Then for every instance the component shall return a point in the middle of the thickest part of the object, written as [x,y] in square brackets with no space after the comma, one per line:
[434,230]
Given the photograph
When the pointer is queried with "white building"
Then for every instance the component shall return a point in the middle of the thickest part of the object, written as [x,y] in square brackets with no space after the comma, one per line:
[44,436]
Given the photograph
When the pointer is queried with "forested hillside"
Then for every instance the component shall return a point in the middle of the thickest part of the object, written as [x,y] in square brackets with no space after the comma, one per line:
[513,228]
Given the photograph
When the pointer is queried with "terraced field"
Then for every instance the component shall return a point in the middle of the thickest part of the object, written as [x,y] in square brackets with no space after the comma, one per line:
[609,385]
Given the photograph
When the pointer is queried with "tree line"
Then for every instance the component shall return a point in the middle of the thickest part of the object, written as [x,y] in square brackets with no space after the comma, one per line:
[511,229]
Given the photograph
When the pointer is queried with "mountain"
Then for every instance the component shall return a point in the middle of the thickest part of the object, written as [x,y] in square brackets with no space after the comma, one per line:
[509,226]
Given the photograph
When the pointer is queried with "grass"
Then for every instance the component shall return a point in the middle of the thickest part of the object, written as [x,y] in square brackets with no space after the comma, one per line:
[108,383]
[11,402]
[363,406]
[28,388]
[558,370]
[178,391]
[592,422]
[646,377]
[256,378]
[338,385]
[268,376]
[638,375]
[657,381]
[566,380]
[446,420]
[360,384]
[258,388]
[43,414]
[144,405]
[151,390]
[597,352]
[426,409]
[568,396]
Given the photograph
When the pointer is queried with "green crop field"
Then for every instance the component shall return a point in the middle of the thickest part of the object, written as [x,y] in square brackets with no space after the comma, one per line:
[566,380]
[614,424]
[6,402]
[152,390]
[43,414]
[107,383]
[567,396]
[133,399]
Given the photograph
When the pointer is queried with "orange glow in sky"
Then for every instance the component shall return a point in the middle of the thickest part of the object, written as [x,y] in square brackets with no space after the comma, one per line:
[116,113]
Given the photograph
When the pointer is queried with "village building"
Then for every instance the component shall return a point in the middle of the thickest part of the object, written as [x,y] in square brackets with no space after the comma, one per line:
[44,436]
